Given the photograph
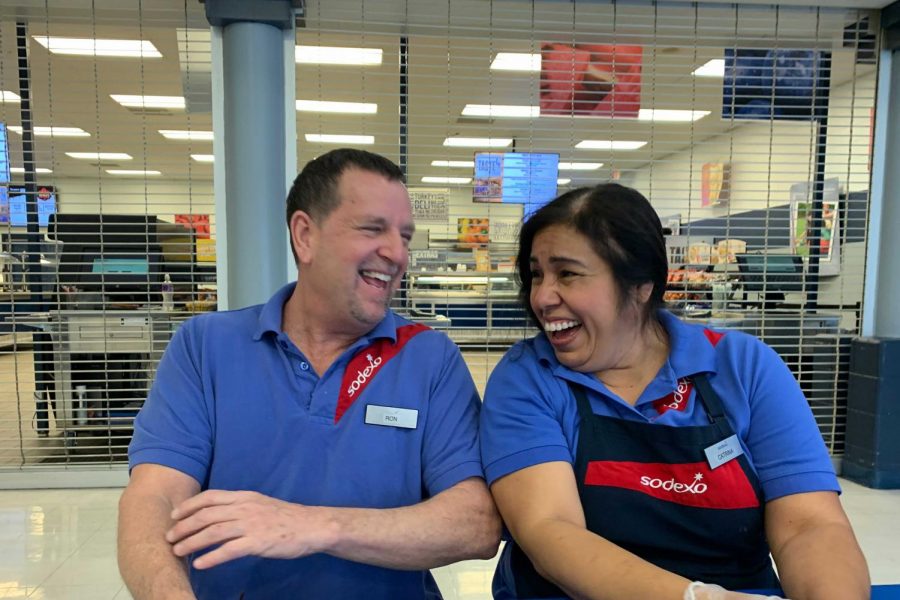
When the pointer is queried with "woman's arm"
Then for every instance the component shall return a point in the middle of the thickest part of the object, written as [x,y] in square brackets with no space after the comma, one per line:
[541,507]
[817,554]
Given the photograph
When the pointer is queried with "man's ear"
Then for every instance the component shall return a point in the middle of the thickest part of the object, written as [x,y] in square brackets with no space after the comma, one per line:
[304,233]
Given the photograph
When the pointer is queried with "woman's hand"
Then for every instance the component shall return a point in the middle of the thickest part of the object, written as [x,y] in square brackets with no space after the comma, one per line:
[703,591]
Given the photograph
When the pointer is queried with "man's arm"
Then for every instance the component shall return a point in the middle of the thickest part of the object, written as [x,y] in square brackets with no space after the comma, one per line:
[148,566]
[459,523]
[813,544]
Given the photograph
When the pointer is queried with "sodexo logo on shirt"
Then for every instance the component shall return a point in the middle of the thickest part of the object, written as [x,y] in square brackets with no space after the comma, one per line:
[367,363]
[676,400]
[670,485]
[363,375]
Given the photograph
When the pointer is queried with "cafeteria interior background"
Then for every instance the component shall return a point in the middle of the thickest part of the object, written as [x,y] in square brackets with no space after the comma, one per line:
[759,132]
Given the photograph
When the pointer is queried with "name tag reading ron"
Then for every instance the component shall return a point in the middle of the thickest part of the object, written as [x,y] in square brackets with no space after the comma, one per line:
[721,452]
[389,416]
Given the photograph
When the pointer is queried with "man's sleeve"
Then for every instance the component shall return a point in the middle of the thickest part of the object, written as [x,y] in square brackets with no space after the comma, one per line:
[450,445]
[174,427]
[521,418]
[787,448]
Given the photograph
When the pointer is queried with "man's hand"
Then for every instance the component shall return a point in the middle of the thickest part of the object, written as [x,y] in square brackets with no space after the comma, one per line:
[245,524]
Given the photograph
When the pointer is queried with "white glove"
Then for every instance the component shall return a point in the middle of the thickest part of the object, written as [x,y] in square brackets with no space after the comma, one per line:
[704,591]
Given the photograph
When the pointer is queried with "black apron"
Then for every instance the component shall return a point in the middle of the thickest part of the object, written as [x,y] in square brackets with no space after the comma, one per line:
[649,489]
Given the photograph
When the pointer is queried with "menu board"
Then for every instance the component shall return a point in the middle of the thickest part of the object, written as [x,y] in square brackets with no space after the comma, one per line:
[13,205]
[516,177]
[4,155]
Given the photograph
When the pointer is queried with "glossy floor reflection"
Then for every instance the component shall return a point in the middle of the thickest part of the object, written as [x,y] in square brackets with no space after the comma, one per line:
[60,544]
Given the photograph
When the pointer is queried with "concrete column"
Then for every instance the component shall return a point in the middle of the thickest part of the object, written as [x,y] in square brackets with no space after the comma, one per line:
[872,453]
[252,143]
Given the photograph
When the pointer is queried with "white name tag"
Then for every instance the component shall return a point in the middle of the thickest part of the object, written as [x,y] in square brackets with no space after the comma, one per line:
[391,417]
[721,452]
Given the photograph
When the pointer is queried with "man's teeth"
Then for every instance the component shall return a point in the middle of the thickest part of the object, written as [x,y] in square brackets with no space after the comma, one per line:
[376,275]
[560,325]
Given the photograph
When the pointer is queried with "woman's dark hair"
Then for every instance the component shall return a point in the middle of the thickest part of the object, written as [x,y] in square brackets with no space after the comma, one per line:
[622,228]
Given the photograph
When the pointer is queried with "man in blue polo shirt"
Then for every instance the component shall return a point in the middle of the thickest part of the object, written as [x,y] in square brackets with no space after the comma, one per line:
[317,446]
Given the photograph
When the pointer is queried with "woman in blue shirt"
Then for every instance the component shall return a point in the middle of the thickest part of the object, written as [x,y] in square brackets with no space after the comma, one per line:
[633,455]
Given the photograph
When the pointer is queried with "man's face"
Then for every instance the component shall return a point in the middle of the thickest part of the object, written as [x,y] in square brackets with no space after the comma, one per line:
[355,257]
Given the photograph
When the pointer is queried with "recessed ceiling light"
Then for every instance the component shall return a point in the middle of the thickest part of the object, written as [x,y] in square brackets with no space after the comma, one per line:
[335,55]
[204,158]
[609,145]
[53,131]
[187,134]
[501,110]
[22,170]
[470,142]
[93,47]
[99,155]
[462,164]
[563,181]
[579,166]
[131,172]
[324,106]
[6,96]
[713,68]
[459,180]
[171,102]
[325,138]
[671,116]
[516,61]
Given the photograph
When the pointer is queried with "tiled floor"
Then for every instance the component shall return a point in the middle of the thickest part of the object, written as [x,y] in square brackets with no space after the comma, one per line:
[58,544]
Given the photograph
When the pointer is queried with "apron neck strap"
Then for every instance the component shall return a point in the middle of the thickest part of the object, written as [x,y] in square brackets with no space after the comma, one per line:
[712,402]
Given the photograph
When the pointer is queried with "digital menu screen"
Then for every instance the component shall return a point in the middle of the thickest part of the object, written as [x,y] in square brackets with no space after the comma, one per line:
[4,155]
[516,178]
[13,205]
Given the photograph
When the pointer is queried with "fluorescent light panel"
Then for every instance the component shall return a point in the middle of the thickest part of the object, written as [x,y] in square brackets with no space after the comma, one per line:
[131,172]
[713,68]
[324,106]
[204,158]
[22,170]
[6,96]
[609,145]
[53,131]
[325,138]
[458,180]
[94,47]
[501,110]
[461,164]
[467,142]
[579,166]
[171,102]
[517,61]
[671,116]
[99,155]
[187,134]
[336,55]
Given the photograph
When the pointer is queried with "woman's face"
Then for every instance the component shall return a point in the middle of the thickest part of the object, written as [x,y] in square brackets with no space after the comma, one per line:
[576,299]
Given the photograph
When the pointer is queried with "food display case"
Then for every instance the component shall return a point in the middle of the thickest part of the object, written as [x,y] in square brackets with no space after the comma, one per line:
[482,306]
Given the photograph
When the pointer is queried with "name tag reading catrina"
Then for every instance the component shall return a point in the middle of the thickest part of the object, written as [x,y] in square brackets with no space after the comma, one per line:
[389,416]
[722,452]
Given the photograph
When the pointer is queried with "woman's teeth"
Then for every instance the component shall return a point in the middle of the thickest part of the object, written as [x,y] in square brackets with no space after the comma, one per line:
[377,275]
[560,325]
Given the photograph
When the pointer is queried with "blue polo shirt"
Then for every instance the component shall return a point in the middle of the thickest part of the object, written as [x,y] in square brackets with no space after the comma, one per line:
[530,416]
[237,406]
